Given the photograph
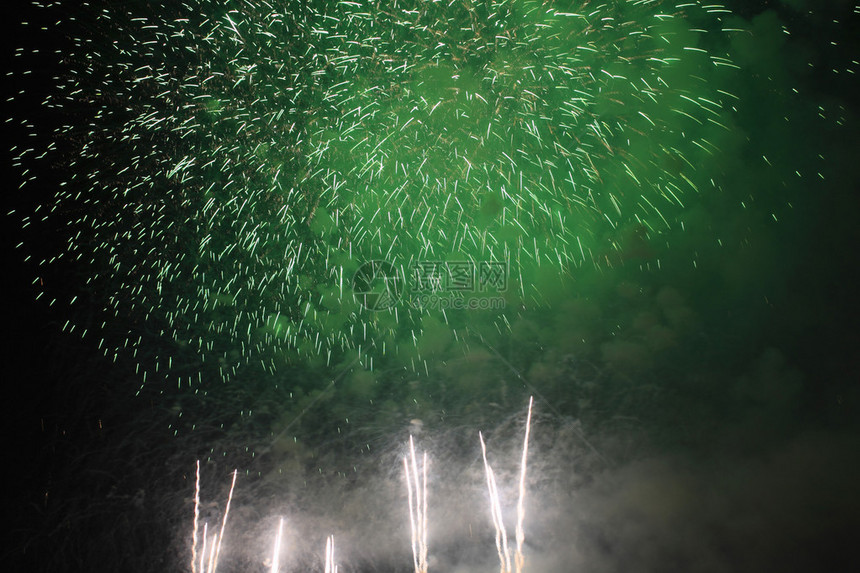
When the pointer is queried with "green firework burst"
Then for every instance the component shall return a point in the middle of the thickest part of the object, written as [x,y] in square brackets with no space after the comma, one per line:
[229,166]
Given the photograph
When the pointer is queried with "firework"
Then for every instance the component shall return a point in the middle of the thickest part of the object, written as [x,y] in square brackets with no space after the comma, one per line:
[276,552]
[416,488]
[521,511]
[229,166]
[496,506]
[224,520]
[196,519]
[330,566]
[207,564]
[496,513]
[206,549]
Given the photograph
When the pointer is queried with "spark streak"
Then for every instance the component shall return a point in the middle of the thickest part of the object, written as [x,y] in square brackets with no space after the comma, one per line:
[203,550]
[209,565]
[330,567]
[417,506]
[276,552]
[196,520]
[496,512]
[496,506]
[521,512]
[224,521]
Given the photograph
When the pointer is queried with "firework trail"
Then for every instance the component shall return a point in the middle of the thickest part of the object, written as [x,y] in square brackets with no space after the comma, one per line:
[496,506]
[230,165]
[521,512]
[205,550]
[215,543]
[496,512]
[330,567]
[416,488]
[196,520]
[224,520]
[276,552]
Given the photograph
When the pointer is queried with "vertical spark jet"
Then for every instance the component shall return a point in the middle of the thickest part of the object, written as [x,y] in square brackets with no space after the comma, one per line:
[210,564]
[196,520]
[496,506]
[521,512]
[224,522]
[496,513]
[417,506]
[330,567]
[276,552]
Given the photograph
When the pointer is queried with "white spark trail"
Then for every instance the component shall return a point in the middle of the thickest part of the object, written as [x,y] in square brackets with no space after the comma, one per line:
[276,553]
[496,512]
[496,506]
[521,512]
[212,546]
[330,567]
[203,550]
[207,564]
[224,522]
[196,521]
[417,507]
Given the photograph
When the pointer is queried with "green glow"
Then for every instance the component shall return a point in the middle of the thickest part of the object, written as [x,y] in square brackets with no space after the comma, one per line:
[242,162]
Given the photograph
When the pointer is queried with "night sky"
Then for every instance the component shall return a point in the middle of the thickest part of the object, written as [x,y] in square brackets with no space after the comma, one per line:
[696,384]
